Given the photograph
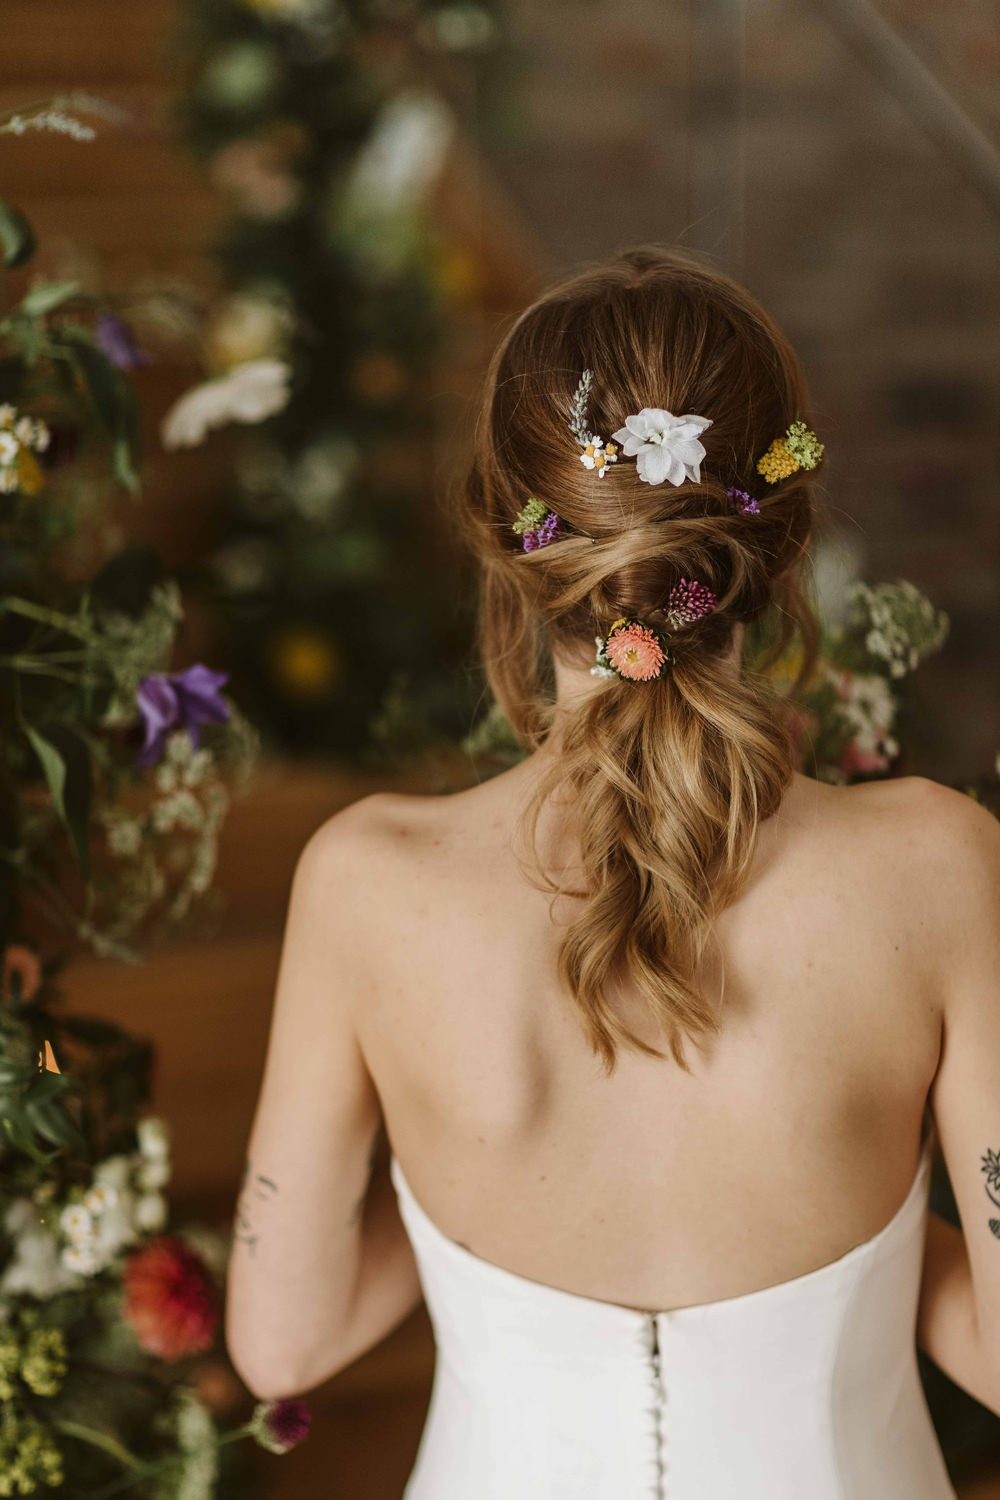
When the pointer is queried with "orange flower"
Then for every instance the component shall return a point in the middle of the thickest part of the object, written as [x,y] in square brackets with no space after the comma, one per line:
[635,653]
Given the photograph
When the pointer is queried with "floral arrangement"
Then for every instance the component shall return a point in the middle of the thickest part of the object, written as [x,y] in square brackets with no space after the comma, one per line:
[847,714]
[116,774]
[323,127]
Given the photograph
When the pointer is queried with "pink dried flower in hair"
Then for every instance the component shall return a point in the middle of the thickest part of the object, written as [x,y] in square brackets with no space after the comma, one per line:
[635,652]
[689,601]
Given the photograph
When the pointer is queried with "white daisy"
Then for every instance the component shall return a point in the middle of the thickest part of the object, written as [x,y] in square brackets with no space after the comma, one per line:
[76,1222]
[597,455]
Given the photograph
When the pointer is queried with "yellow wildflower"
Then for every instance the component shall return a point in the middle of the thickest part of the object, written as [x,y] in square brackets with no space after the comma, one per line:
[778,462]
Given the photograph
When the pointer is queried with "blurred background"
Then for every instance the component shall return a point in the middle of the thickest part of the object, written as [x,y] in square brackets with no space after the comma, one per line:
[365,192]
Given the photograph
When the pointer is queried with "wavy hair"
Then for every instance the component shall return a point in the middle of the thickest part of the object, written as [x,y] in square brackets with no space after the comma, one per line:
[669,779]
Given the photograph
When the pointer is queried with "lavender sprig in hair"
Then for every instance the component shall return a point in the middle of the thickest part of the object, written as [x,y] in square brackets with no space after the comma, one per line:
[535,525]
[578,424]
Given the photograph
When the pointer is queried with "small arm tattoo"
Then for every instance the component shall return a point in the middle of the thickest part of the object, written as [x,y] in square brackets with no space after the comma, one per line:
[257,1192]
[991,1167]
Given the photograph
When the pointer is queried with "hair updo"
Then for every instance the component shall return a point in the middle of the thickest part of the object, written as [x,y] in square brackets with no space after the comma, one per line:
[670,778]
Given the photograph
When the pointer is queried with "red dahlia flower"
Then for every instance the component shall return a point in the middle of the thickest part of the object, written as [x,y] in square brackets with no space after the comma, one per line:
[171,1299]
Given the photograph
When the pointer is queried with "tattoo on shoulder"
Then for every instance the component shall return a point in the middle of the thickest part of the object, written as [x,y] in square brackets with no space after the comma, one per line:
[991,1167]
[257,1193]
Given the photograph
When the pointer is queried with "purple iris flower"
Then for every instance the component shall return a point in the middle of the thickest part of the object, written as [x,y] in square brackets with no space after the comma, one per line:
[179,700]
[116,340]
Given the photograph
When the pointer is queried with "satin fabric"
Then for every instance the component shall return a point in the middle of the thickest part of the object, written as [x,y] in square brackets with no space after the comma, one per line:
[805,1390]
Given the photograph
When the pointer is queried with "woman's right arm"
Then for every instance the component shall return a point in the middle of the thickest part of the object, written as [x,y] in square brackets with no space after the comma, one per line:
[959,1316]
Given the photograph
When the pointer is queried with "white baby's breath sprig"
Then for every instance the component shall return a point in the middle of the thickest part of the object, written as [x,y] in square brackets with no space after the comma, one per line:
[60,116]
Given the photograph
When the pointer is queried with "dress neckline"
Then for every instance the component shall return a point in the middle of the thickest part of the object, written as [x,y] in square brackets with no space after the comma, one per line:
[527,1286]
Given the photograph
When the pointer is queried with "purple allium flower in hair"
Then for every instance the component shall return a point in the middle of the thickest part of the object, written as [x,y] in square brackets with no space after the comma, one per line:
[116,340]
[689,601]
[745,504]
[179,700]
[280,1426]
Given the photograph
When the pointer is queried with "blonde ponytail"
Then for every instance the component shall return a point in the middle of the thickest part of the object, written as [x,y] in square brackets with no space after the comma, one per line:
[670,779]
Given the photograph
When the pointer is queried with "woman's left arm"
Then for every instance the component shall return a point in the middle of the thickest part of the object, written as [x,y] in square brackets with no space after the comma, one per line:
[320,1268]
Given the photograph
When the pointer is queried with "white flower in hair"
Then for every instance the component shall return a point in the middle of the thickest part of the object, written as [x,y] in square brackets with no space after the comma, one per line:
[597,455]
[664,447]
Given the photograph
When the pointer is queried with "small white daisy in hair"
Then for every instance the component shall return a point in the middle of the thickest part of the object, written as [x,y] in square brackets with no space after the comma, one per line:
[597,455]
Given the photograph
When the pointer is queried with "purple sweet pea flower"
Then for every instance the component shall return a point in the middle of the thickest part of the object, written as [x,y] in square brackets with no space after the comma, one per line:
[179,700]
[116,340]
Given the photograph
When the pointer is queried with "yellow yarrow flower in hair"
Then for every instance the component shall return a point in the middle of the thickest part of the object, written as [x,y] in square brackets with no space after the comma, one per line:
[778,462]
[800,448]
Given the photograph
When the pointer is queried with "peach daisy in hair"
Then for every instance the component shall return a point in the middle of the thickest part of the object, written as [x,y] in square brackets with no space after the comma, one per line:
[635,652]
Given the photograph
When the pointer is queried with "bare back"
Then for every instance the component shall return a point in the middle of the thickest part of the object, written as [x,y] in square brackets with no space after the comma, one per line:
[794,1137]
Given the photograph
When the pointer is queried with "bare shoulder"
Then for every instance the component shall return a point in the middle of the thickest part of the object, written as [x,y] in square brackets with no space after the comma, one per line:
[949,828]
[937,848]
[912,808]
[377,838]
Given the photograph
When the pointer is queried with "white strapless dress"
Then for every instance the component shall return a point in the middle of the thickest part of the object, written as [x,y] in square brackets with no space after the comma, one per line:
[807,1390]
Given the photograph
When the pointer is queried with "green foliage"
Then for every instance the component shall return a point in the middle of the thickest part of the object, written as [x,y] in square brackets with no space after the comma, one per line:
[17,238]
[109,819]
[330,555]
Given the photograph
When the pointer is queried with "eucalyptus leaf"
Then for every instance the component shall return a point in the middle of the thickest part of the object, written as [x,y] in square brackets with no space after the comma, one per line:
[52,1123]
[114,401]
[66,764]
[47,296]
[17,238]
[20,1136]
[53,766]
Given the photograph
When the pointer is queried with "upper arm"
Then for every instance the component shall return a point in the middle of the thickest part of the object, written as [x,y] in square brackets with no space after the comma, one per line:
[296,1240]
[315,1081]
[965,1094]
